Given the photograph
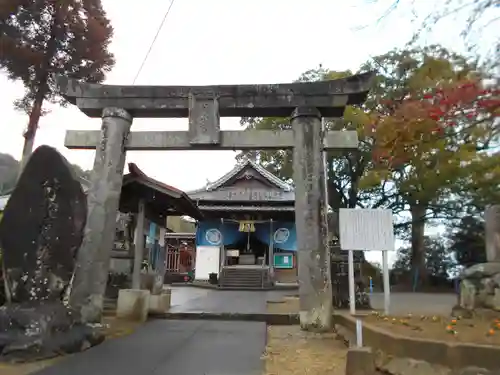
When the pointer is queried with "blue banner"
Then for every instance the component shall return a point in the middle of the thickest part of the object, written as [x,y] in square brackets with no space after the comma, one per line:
[214,233]
[152,233]
[284,234]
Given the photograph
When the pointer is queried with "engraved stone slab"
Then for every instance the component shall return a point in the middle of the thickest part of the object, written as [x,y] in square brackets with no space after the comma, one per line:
[42,228]
[204,121]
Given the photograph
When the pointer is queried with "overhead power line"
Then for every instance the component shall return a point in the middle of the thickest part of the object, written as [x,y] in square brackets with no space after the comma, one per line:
[154,41]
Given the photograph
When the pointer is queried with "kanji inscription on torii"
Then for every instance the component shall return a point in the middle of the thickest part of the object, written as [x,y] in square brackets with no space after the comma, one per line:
[305,103]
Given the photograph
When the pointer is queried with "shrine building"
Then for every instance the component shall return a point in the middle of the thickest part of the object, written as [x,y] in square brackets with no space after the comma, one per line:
[247,236]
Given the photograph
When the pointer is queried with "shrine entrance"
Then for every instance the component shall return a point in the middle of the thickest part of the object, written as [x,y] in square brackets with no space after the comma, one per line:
[248,251]
[249,218]
[304,103]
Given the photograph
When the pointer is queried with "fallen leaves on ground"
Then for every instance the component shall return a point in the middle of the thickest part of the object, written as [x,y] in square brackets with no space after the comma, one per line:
[446,328]
[437,327]
[291,351]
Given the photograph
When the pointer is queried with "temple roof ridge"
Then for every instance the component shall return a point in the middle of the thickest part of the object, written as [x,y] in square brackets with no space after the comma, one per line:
[276,181]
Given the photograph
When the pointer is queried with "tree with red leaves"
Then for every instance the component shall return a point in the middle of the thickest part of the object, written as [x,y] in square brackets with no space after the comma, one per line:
[410,159]
[460,115]
[41,38]
[434,140]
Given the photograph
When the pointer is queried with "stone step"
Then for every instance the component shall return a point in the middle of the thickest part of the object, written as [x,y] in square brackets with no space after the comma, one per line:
[245,278]
[244,275]
[237,282]
[250,277]
[256,283]
[243,270]
[245,287]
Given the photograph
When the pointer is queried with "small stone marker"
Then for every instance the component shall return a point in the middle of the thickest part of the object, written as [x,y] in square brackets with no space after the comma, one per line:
[42,228]
[492,221]
[360,361]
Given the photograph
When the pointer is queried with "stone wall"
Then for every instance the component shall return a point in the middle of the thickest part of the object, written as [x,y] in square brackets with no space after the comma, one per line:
[480,284]
[480,287]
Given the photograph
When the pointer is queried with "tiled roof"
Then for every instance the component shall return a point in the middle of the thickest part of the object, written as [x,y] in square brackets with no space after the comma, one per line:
[135,172]
[180,200]
[276,181]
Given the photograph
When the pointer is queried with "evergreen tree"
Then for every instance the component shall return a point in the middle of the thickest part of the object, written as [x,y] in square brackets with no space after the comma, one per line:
[43,38]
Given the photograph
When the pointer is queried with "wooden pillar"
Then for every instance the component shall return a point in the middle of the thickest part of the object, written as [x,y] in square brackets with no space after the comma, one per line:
[222,248]
[160,267]
[315,289]
[271,248]
[103,199]
[138,245]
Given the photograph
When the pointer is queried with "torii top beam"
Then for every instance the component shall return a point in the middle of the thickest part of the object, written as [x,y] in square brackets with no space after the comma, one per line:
[270,100]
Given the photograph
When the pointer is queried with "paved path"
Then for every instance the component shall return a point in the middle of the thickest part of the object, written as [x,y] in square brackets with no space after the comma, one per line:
[174,347]
[184,347]
[209,347]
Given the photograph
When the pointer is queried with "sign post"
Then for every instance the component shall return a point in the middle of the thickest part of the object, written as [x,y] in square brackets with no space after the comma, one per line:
[352,286]
[367,230]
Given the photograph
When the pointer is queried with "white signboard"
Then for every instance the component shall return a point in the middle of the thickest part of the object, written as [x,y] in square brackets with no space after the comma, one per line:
[207,261]
[366,229]
[161,241]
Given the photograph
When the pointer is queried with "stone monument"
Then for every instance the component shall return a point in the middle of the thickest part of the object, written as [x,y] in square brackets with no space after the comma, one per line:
[480,283]
[40,233]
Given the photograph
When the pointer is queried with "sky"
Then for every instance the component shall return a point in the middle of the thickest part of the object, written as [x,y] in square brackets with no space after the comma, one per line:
[221,42]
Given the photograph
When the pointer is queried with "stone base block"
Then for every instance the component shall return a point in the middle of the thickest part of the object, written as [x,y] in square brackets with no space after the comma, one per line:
[360,361]
[133,304]
[160,303]
[40,330]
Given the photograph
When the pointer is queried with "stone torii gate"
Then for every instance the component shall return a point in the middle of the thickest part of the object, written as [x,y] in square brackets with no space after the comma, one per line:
[306,103]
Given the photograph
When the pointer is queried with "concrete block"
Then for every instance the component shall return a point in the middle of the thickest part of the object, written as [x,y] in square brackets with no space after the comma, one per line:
[360,361]
[133,304]
[160,303]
